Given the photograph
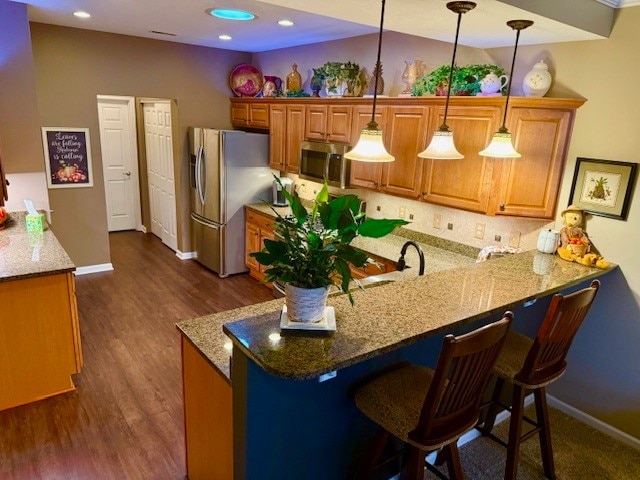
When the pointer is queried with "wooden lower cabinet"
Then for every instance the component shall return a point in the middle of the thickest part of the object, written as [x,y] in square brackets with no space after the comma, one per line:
[258,228]
[39,338]
[208,418]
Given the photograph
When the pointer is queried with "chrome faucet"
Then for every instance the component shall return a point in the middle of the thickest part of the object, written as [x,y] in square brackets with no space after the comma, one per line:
[401,264]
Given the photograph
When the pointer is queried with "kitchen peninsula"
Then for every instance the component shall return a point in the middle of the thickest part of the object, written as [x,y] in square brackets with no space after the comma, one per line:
[39,332]
[289,394]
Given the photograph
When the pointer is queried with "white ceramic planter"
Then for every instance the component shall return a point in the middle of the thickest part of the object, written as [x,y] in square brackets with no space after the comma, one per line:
[305,304]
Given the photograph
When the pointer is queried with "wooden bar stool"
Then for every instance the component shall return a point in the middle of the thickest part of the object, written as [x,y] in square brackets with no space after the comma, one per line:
[532,364]
[427,409]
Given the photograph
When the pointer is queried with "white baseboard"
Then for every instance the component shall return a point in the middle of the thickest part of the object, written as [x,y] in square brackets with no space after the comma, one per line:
[185,255]
[142,228]
[594,422]
[102,267]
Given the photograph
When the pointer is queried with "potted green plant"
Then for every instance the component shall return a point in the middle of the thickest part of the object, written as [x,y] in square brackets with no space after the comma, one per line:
[312,249]
[337,76]
[466,80]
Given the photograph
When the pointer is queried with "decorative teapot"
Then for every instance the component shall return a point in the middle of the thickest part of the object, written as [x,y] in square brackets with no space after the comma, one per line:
[491,84]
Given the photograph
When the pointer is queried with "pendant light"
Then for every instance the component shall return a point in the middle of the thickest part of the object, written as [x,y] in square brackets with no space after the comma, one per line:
[501,145]
[442,146]
[370,147]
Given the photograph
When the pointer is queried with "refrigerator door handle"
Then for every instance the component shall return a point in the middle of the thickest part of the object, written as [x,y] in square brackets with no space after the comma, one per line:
[201,222]
[199,162]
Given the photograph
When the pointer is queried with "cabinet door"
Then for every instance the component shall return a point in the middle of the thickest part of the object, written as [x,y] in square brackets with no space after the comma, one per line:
[316,122]
[295,135]
[252,244]
[277,137]
[405,133]
[239,114]
[528,186]
[265,234]
[365,174]
[464,183]
[339,124]
[259,115]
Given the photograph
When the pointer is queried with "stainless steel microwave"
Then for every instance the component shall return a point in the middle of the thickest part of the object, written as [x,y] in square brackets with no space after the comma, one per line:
[320,160]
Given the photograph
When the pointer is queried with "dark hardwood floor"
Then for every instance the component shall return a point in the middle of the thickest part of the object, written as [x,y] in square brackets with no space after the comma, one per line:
[124,421]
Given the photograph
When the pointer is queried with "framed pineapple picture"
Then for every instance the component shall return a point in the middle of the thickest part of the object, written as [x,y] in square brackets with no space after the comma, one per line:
[603,187]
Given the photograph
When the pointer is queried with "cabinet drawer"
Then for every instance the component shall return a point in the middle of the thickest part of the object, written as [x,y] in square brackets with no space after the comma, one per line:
[260,220]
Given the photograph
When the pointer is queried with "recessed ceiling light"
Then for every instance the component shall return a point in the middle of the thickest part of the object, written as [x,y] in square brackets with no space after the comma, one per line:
[285,23]
[81,14]
[231,14]
[224,37]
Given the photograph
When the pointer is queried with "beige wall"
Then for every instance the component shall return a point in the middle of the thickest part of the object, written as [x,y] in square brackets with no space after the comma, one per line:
[73,66]
[19,123]
[603,367]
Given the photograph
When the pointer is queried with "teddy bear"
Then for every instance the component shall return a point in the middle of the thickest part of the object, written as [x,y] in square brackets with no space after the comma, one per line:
[575,245]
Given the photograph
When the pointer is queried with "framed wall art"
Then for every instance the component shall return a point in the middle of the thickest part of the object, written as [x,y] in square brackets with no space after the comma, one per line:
[67,153]
[603,187]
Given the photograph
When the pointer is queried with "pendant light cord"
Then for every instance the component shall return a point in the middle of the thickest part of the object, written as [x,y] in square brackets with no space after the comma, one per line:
[373,125]
[453,61]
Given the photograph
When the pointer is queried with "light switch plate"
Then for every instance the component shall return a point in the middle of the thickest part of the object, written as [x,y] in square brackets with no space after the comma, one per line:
[437,220]
[514,239]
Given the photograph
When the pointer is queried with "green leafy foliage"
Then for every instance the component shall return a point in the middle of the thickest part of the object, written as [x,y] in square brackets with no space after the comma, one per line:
[466,80]
[313,248]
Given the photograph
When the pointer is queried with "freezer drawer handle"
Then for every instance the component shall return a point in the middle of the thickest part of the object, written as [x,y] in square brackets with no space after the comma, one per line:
[210,225]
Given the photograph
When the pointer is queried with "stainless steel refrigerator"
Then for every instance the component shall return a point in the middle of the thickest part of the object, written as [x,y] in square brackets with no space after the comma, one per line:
[228,168]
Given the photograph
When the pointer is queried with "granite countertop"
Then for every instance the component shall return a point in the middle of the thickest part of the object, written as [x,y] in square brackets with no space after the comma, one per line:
[385,317]
[30,254]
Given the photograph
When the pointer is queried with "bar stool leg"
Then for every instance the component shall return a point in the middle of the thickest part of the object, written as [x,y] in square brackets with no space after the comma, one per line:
[453,462]
[542,416]
[369,463]
[493,409]
[515,432]
[415,464]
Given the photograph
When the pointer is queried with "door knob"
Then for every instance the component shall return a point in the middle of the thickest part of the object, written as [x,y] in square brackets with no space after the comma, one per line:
[128,174]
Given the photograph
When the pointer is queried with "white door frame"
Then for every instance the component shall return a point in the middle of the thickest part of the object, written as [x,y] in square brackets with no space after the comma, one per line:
[131,112]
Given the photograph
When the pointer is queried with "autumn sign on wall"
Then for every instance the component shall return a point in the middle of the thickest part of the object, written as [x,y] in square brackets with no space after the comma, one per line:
[67,154]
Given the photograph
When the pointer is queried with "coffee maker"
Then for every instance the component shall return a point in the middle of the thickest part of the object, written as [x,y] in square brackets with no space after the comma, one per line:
[278,197]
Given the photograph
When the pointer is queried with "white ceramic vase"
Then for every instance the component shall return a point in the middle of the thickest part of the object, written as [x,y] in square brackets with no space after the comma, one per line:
[305,304]
[536,83]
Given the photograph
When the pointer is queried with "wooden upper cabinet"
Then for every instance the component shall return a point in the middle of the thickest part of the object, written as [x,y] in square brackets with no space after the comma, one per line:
[405,134]
[366,174]
[277,136]
[295,132]
[528,186]
[252,115]
[464,183]
[328,123]
[286,132]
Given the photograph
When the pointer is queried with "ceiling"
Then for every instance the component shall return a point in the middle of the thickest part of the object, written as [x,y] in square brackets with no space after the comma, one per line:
[187,22]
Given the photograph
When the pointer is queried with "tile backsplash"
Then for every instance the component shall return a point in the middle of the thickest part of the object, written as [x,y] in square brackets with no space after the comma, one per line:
[468,228]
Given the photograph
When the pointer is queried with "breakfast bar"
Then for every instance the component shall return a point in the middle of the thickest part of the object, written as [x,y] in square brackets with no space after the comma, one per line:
[290,392]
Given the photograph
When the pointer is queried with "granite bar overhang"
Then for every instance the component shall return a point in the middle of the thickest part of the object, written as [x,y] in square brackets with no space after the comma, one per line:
[385,318]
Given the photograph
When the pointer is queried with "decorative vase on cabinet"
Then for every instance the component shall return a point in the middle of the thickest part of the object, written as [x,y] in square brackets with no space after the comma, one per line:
[294,79]
[410,75]
[536,83]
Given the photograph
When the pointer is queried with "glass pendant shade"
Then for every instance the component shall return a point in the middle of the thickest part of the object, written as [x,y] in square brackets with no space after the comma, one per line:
[500,146]
[441,147]
[369,148]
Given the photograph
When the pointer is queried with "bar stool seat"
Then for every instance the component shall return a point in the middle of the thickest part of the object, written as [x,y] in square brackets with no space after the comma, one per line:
[430,409]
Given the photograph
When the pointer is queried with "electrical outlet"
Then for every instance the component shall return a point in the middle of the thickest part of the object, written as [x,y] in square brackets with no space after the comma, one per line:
[411,216]
[402,211]
[479,230]
[497,238]
[514,239]
[449,226]
[437,220]
[378,208]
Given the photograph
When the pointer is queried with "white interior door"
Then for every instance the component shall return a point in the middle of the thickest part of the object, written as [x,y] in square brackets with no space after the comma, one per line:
[116,117]
[160,170]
